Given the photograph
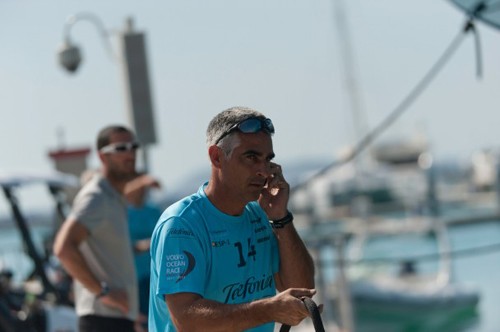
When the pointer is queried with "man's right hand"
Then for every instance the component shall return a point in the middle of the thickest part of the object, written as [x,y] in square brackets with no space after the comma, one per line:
[116,298]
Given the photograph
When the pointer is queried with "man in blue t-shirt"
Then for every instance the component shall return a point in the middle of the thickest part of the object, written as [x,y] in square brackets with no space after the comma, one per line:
[217,260]
[142,217]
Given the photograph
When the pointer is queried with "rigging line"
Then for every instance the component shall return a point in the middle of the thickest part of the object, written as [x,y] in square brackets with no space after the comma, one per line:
[477,44]
[486,249]
[492,7]
[399,110]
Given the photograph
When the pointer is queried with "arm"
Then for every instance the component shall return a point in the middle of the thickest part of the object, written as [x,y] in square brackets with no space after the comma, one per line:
[135,189]
[141,246]
[141,182]
[66,244]
[189,311]
[296,264]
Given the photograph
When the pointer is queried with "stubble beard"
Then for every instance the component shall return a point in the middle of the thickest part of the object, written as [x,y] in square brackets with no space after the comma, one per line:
[122,175]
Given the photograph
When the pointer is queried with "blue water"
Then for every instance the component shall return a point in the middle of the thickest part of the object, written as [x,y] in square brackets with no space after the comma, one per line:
[482,270]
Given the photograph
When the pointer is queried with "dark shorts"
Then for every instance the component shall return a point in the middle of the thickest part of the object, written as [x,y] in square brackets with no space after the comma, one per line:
[93,323]
[144,296]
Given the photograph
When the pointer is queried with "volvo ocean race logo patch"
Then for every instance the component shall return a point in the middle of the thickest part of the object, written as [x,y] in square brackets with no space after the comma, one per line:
[179,265]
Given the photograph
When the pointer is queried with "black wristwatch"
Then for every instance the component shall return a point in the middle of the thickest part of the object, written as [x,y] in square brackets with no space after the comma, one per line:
[104,289]
[280,223]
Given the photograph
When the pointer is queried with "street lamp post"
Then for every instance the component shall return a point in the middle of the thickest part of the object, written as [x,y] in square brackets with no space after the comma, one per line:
[135,73]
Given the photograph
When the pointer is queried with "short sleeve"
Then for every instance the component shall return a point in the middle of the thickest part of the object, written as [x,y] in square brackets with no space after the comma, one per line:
[179,258]
[88,210]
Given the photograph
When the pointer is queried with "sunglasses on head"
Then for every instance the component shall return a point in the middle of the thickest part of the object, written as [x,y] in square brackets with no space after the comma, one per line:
[120,147]
[250,126]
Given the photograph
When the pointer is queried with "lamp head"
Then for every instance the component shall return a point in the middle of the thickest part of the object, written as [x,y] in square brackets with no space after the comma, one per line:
[69,56]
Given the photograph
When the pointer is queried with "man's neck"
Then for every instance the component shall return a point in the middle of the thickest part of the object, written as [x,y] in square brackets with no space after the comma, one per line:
[117,184]
[223,200]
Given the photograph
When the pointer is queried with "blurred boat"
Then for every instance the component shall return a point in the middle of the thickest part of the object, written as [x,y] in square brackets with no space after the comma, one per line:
[42,303]
[376,182]
[394,287]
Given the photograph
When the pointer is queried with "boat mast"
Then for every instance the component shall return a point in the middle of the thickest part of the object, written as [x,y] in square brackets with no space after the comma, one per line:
[350,82]
[349,72]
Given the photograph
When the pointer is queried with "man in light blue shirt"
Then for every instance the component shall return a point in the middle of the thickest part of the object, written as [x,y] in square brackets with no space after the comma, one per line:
[217,260]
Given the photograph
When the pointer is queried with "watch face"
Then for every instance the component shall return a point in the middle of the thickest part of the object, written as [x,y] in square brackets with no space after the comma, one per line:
[104,289]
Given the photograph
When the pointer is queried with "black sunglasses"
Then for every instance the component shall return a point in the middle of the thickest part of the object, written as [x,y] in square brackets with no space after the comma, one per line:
[120,147]
[250,126]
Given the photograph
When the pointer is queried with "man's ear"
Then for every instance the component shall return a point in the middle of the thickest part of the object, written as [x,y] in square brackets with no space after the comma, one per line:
[215,154]
[101,156]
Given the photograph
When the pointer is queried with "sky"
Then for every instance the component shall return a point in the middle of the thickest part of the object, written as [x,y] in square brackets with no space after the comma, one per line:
[283,58]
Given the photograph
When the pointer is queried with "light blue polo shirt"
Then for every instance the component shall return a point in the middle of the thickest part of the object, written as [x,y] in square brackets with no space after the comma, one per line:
[198,249]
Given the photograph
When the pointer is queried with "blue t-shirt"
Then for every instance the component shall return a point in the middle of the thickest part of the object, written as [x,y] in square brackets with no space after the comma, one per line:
[198,249]
[141,223]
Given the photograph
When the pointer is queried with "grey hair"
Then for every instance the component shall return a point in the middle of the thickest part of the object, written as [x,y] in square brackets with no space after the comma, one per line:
[227,144]
[223,121]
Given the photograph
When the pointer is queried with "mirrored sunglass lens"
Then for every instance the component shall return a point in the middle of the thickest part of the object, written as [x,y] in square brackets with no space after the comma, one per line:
[269,125]
[250,126]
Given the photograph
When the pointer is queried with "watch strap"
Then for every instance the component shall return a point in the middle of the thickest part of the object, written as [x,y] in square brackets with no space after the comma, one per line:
[280,223]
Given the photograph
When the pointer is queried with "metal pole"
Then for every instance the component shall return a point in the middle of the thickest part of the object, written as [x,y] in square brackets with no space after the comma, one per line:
[497,182]
[320,281]
[145,158]
[138,89]
[346,320]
